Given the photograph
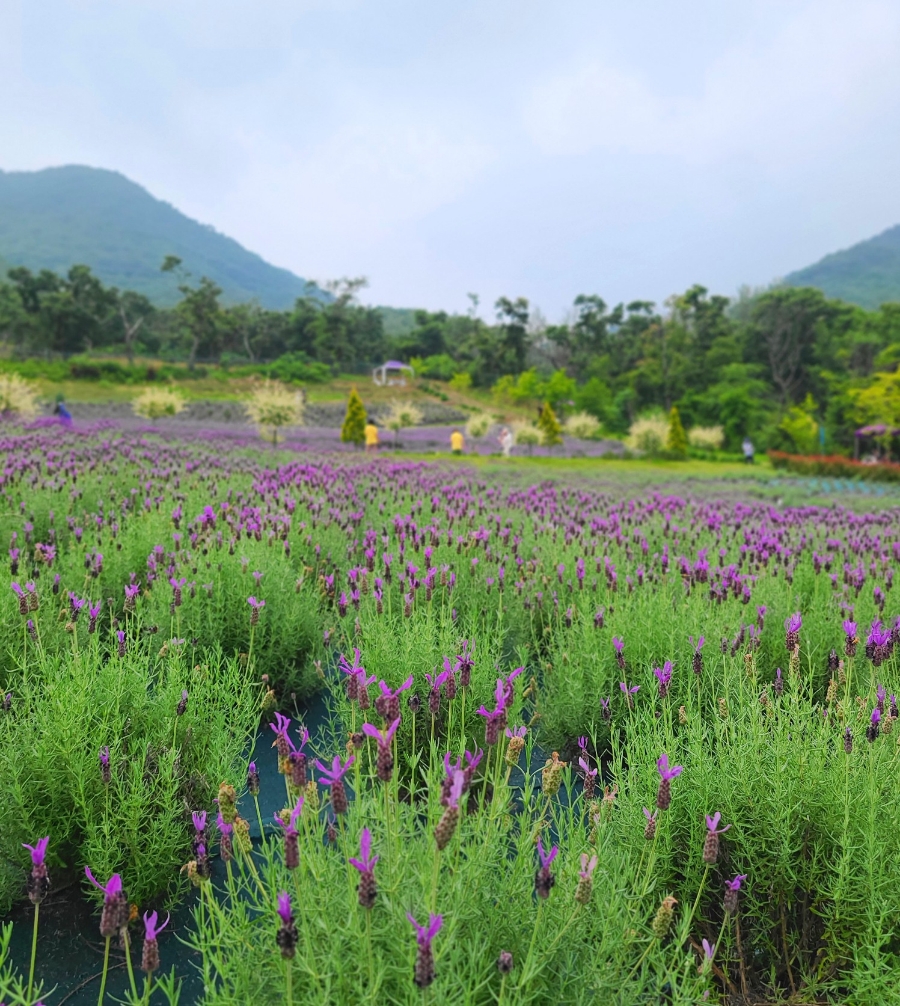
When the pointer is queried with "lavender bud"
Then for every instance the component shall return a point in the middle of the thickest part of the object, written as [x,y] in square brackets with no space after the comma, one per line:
[252,779]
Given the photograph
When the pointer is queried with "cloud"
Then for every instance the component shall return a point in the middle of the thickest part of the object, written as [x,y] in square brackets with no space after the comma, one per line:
[351,194]
[828,73]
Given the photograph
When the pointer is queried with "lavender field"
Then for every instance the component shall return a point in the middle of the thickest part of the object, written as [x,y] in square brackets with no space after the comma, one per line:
[563,740]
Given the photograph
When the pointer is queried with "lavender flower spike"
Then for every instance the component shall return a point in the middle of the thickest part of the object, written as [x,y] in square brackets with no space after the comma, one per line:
[711,843]
[544,879]
[150,953]
[731,893]
[384,764]
[291,846]
[424,974]
[38,879]
[585,879]
[366,889]
[114,917]
[664,794]
[664,677]
[334,776]
[792,627]
[287,935]
[709,951]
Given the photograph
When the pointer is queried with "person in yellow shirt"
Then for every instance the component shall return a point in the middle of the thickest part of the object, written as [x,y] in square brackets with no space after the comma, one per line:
[371,433]
[457,442]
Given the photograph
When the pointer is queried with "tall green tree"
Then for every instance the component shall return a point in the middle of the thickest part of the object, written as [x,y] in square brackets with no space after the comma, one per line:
[353,430]
[549,425]
[198,310]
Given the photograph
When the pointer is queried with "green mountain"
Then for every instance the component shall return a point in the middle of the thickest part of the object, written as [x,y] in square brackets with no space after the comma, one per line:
[58,217]
[867,274]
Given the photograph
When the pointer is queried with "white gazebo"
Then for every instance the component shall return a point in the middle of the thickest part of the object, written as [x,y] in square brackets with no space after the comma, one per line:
[392,374]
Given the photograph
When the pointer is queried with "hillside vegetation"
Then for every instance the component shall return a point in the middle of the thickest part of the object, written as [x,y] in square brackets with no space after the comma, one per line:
[867,274]
[54,218]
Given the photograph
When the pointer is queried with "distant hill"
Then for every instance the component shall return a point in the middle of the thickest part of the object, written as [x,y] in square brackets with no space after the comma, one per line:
[58,217]
[867,274]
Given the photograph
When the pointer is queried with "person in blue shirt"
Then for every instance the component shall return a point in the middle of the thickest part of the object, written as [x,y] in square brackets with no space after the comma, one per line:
[65,417]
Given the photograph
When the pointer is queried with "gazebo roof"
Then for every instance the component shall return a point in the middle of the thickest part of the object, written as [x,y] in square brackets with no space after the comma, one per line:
[876,430]
[394,365]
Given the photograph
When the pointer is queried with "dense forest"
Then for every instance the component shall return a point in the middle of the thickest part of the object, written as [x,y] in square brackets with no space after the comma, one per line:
[787,366]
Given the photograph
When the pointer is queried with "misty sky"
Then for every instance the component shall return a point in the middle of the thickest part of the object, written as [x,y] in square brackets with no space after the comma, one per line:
[521,148]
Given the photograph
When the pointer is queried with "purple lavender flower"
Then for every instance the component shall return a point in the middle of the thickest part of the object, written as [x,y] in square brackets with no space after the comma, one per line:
[252,779]
[38,879]
[296,760]
[255,608]
[334,776]
[664,677]
[792,627]
[387,705]
[465,661]
[226,830]
[75,605]
[287,934]
[23,598]
[434,696]
[114,917]
[697,657]
[150,953]
[291,846]
[384,764]
[495,719]
[543,878]
[423,974]
[619,646]
[367,889]
[878,644]
[585,886]
[711,842]
[650,830]
[664,794]
[590,778]
[874,727]
[852,640]
[105,773]
[283,743]
[732,887]
[450,818]
[131,592]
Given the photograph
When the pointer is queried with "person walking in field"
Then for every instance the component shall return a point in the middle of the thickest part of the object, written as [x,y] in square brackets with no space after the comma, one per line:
[506,441]
[748,449]
[371,434]
[65,417]
[457,442]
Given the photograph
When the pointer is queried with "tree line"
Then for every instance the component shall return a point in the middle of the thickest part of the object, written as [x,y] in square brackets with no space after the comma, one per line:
[787,366]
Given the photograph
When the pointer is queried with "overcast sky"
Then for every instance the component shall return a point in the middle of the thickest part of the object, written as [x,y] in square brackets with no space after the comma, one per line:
[543,149]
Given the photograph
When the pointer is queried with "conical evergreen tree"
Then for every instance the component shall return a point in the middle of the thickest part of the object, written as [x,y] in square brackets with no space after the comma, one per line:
[354,429]
[676,438]
[548,424]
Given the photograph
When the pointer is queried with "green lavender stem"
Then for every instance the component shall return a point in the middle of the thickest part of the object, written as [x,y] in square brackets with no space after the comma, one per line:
[37,909]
